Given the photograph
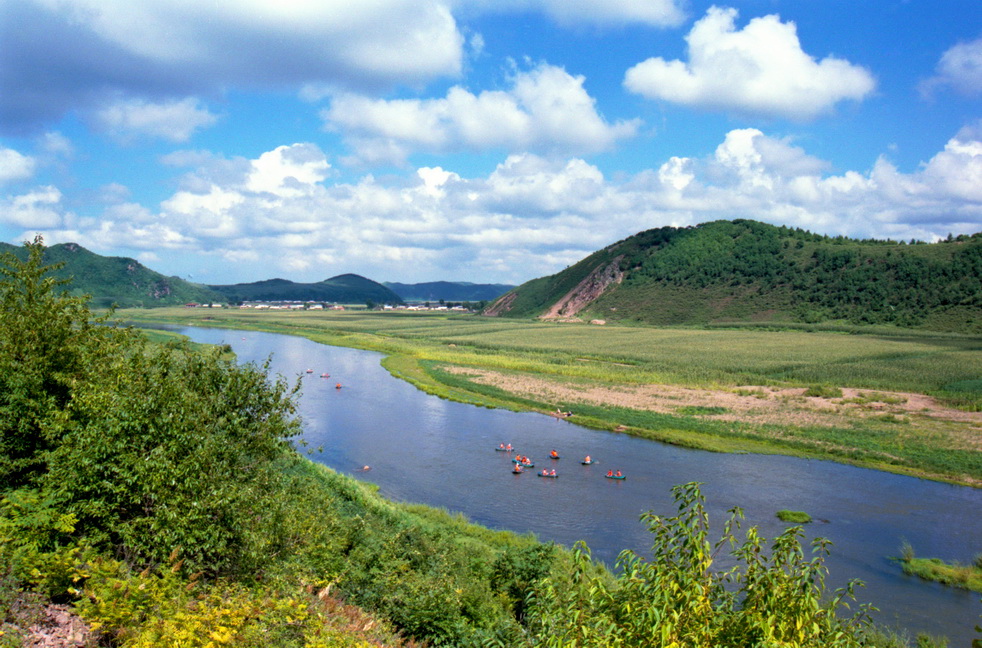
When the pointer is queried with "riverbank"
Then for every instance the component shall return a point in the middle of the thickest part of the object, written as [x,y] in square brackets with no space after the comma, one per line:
[747,392]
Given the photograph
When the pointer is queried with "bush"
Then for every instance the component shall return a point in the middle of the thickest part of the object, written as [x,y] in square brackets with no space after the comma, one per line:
[676,598]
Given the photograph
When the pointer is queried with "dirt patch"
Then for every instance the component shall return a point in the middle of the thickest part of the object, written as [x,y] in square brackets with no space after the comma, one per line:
[587,291]
[750,404]
[59,628]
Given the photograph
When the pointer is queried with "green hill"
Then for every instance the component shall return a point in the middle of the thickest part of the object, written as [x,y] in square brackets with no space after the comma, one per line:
[448,291]
[745,271]
[342,289]
[117,280]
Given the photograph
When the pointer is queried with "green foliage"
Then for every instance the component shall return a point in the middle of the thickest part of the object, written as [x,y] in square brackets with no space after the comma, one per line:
[967,577]
[677,598]
[743,270]
[823,391]
[145,448]
[343,289]
[795,517]
[117,280]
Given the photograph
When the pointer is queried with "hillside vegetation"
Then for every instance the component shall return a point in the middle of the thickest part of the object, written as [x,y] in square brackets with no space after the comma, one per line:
[745,271]
[448,291]
[116,280]
[155,490]
[342,289]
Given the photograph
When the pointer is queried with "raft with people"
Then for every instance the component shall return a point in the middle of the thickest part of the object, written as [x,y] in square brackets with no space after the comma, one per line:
[587,460]
[615,475]
[551,474]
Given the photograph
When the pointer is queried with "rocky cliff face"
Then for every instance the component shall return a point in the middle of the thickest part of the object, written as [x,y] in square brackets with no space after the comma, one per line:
[588,290]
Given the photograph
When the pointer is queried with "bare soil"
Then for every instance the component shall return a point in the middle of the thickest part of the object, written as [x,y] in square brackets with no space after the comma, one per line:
[752,404]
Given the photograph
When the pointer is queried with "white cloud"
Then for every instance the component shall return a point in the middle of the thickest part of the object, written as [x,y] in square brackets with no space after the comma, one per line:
[15,165]
[88,50]
[280,215]
[40,208]
[961,68]
[760,69]
[175,120]
[545,110]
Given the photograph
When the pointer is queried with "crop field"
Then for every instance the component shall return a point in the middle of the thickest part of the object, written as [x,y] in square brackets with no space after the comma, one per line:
[892,399]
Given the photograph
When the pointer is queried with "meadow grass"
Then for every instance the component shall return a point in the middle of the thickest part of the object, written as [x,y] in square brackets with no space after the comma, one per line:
[418,345]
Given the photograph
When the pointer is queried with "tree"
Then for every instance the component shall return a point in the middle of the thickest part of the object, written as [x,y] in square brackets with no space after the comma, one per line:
[48,342]
[149,448]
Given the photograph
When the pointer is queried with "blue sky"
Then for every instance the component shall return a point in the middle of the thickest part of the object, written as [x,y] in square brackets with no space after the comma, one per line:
[477,140]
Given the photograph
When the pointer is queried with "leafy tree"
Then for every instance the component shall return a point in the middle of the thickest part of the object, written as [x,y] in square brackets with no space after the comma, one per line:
[150,449]
[48,343]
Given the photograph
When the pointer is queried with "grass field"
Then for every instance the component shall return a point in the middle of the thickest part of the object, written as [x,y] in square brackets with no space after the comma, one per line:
[739,389]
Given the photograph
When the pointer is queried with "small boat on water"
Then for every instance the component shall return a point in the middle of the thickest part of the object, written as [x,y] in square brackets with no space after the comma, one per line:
[517,470]
[545,474]
[523,464]
[587,462]
[504,449]
[325,375]
[616,476]
[310,371]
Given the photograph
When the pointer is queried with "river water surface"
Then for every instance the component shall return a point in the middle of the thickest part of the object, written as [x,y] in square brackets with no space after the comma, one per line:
[424,449]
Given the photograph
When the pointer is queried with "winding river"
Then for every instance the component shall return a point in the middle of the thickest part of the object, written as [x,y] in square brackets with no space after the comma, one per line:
[424,449]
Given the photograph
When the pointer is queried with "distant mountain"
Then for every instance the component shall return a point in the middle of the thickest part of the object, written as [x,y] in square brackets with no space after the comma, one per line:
[117,280]
[448,291]
[745,271]
[342,289]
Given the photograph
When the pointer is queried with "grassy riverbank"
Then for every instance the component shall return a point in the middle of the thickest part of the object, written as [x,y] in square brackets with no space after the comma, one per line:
[906,402]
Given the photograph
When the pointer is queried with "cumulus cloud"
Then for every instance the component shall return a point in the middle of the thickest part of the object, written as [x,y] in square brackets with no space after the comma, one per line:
[280,214]
[545,110]
[15,165]
[172,120]
[961,68]
[40,208]
[761,69]
[58,55]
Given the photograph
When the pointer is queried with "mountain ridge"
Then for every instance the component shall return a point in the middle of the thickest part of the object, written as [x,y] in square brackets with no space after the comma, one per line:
[745,271]
[122,281]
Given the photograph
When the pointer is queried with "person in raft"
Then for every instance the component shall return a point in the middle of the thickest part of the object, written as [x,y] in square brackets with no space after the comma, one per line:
[508,447]
[501,445]
[610,473]
[587,459]
[618,474]
[554,454]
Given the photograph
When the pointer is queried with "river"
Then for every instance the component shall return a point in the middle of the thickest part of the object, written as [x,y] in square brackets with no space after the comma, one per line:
[423,449]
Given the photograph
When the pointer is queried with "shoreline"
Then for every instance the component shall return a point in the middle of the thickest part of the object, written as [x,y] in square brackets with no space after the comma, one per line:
[424,367]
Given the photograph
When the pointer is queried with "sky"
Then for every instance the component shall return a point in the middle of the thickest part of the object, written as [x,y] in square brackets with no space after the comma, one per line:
[489,141]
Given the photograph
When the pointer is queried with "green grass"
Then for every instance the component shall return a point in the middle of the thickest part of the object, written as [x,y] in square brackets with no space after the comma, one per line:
[954,575]
[794,517]
[738,359]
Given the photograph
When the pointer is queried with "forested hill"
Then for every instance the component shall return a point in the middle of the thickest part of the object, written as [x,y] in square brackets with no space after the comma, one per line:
[117,280]
[745,271]
[342,289]
[448,291]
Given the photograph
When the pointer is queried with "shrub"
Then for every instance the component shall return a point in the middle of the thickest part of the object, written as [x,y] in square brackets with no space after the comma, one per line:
[676,598]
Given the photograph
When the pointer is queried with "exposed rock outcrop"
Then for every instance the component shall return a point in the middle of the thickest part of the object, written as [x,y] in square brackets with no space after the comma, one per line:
[587,291]
[501,305]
